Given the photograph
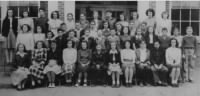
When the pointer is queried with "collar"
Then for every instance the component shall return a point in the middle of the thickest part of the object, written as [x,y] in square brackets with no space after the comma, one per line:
[113,52]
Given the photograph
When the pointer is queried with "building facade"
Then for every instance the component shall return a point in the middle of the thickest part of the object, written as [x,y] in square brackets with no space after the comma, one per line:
[182,13]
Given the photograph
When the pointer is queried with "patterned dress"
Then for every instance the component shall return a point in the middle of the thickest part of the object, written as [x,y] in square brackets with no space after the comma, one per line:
[39,57]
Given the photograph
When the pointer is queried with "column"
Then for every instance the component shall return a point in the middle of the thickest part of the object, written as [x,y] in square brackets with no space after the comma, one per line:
[52,6]
[142,7]
[160,7]
[69,7]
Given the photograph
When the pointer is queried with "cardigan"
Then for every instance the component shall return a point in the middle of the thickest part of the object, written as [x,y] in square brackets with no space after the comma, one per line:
[6,26]
[20,61]
[113,57]
[138,54]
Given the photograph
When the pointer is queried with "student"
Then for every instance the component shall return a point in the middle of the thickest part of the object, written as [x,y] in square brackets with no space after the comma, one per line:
[143,26]
[125,36]
[79,30]
[90,40]
[118,28]
[63,26]
[143,64]
[150,37]
[96,18]
[53,53]
[136,40]
[100,39]
[25,19]
[159,69]
[39,35]
[106,29]
[177,36]
[134,22]
[189,50]
[39,58]
[128,58]
[165,22]
[70,22]
[150,20]
[83,21]
[42,20]
[59,42]
[122,20]
[164,39]
[109,18]
[26,37]
[49,39]
[9,30]
[114,65]
[72,37]
[84,60]
[69,60]
[173,60]
[93,30]
[113,38]
[51,70]
[21,63]
[98,67]
[54,22]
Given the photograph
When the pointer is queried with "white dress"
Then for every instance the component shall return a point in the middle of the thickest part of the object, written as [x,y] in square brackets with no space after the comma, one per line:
[39,37]
[52,67]
[23,21]
[173,56]
[128,57]
[54,24]
[26,39]
[69,59]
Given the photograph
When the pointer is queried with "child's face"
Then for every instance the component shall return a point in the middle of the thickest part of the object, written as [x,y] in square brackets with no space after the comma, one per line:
[99,32]
[84,45]
[70,17]
[39,29]
[105,25]
[87,32]
[55,15]
[122,17]
[165,15]
[82,16]
[134,15]
[71,34]
[127,45]
[10,13]
[113,46]
[143,45]
[39,45]
[150,29]
[173,43]
[164,32]
[69,44]
[150,14]
[25,28]
[189,30]
[156,45]
[98,47]
[139,32]
[125,30]
[78,26]
[64,27]
[25,14]
[21,48]
[143,26]
[95,15]
[112,32]
[176,31]
[60,33]
[49,35]
[119,26]
[53,45]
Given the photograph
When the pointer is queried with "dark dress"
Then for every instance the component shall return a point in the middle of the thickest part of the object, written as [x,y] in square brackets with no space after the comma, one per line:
[90,41]
[54,55]
[84,57]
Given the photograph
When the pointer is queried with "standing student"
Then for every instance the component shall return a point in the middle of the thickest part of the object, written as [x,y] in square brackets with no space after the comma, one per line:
[143,64]
[189,50]
[49,39]
[69,60]
[26,37]
[54,22]
[106,29]
[150,37]
[164,39]
[165,22]
[83,21]
[97,20]
[25,19]
[114,64]
[159,69]
[63,26]
[150,20]
[42,20]
[84,60]
[177,36]
[110,19]
[79,30]
[93,29]
[122,20]
[39,35]
[134,22]
[39,58]
[128,58]
[21,63]
[118,28]
[59,42]
[90,40]
[9,30]
[143,27]
[72,37]
[136,40]
[100,39]
[173,59]
[70,22]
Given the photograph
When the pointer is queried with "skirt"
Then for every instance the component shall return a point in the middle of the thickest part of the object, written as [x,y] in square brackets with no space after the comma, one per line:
[11,40]
[83,68]
[36,70]
[19,75]
[56,69]
[68,68]
[114,68]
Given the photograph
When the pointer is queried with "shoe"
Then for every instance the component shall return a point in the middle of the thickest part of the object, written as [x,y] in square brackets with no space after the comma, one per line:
[53,85]
[33,83]
[49,85]
[19,87]
[84,84]
[76,84]
[190,80]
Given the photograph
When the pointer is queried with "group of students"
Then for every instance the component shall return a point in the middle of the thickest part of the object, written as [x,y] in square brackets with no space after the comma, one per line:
[97,51]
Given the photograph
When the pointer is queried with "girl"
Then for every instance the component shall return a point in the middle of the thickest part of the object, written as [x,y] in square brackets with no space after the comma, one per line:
[100,40]
[70,22]
[128,62]
[118,28]
[72,37]
[113,38]
[90,40]
[177,36]
[151,21]
[83,21]
[106,29]
[39,58]
[150,38]
[137,38]
[114,68]
[22,63]
[165,22]
[26,37]
[93,30]
[9,30]
[143,64]
[84,60]
[69,59]
[125,35]
[122,20]
[25,19]
[173,60]
[49,39]
[96,18]
[39,35]
[134,23]
[54,22]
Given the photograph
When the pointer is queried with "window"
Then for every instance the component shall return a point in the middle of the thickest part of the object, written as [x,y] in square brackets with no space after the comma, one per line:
[0,18]
[19,7]
[184,13]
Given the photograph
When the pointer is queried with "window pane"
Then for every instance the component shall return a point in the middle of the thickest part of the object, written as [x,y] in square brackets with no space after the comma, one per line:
[195,26]
[175,24]
[15,10]
[22,9]
[185,13]
[175,14]
[77,16]
[183,27]
[33,11]
[194,14]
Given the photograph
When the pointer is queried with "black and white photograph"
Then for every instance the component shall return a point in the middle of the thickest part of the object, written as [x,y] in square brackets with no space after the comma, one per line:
[99,48]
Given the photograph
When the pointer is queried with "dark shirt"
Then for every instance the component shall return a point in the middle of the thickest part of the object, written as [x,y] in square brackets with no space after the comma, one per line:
[98,58]
[6,26]
[157,56]
[189,42]
[43,22]
[20,61]
[164,41]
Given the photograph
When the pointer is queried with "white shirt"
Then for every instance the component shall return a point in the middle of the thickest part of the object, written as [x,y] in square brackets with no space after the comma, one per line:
[128,54]
[39,37]
[11,19]
[54,24]
[151,38]
[143,55]
[173,55]
[70,24]
[69,56]
[26,39]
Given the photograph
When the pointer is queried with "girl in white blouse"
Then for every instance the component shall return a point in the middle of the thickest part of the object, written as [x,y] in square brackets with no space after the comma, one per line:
[128,62]
[69,59]
[173,60]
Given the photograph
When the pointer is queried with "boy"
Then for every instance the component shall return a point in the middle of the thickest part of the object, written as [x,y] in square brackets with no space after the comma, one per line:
[189,47]
[164,39]
[59,42]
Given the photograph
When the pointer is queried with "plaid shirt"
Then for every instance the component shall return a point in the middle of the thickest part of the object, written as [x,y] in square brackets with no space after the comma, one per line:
[39,55]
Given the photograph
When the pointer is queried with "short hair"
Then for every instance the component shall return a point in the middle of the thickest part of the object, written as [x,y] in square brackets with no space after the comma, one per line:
[70,14]
[58,16]
[107,23]
[40,27]
[42,9]
[28,26]
[123,15]
[150,10]
[84,41]
[62,24]
[176,42]
[72,30]
[59,29]
[22,15]
[165,12]
[189,27]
